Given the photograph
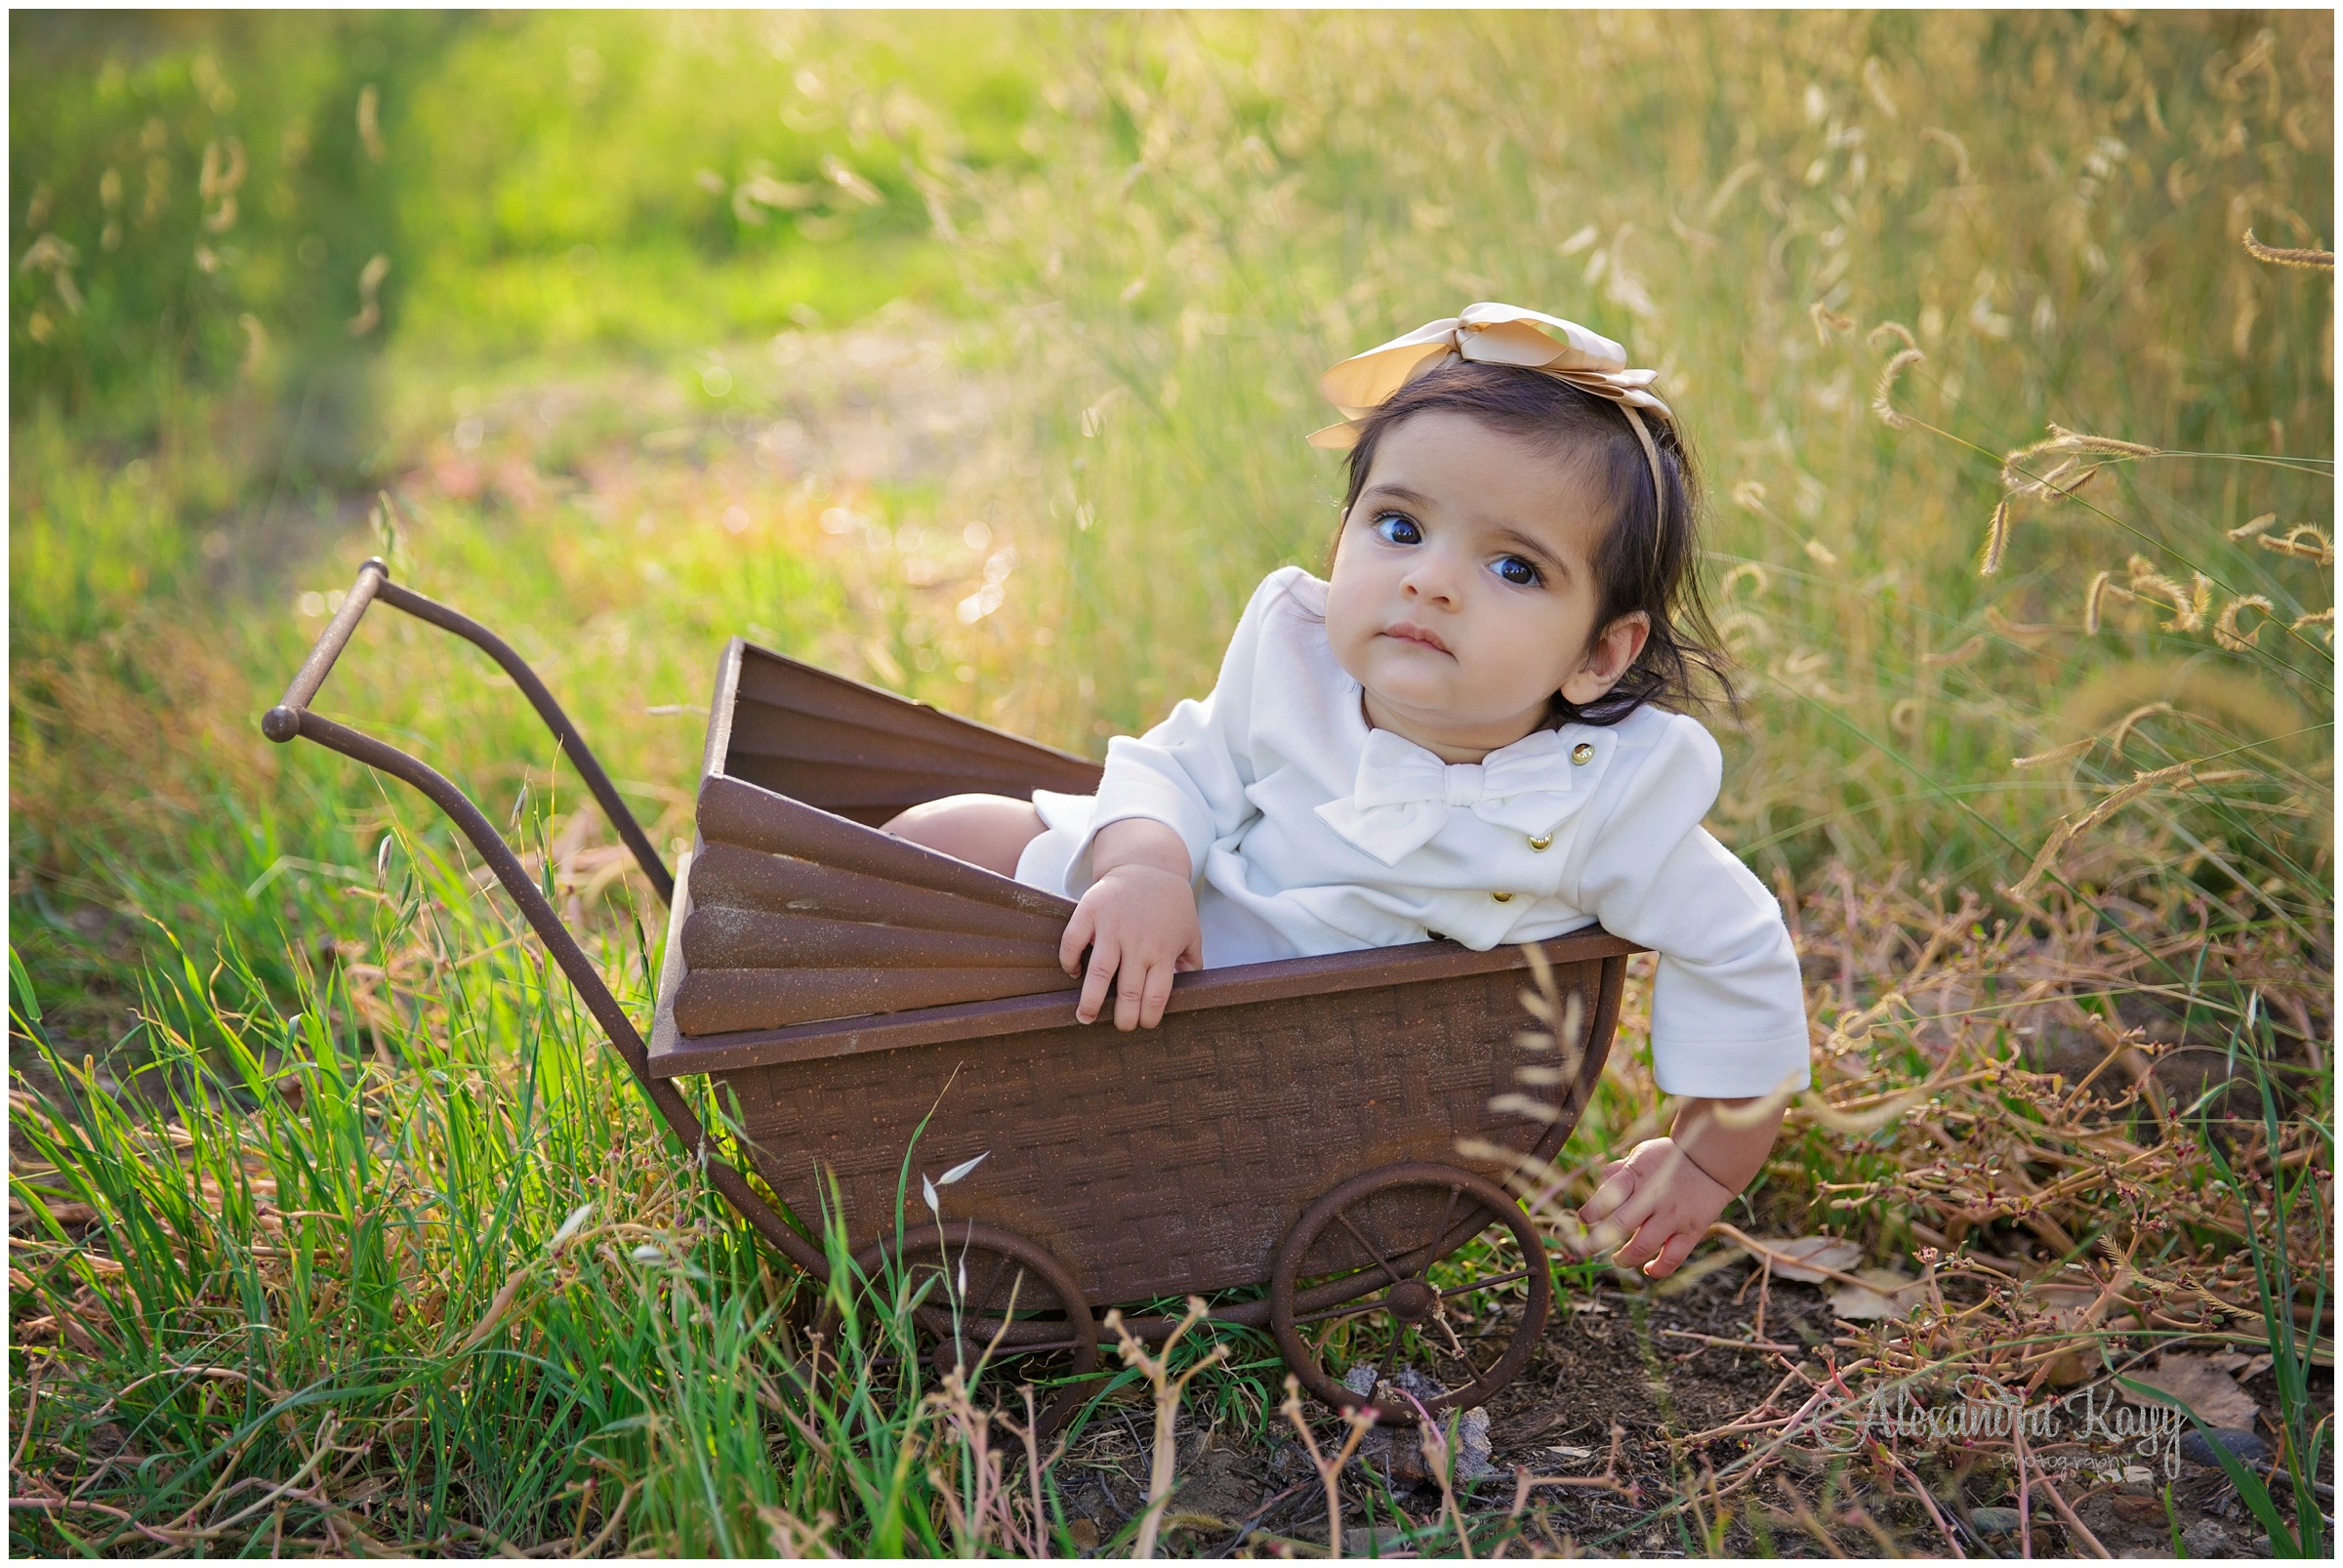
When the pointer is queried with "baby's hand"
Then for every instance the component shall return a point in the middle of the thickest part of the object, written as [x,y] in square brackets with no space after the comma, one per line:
[1658,1202]
[1139,921]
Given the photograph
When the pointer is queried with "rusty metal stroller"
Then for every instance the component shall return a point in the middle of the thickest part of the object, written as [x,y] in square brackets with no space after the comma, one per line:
[1320,1127]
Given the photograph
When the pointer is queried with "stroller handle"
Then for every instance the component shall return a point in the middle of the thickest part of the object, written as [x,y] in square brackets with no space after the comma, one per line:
[283,722]
[292,717]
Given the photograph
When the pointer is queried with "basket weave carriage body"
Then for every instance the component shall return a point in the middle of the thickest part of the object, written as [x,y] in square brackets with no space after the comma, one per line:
[1332,1127]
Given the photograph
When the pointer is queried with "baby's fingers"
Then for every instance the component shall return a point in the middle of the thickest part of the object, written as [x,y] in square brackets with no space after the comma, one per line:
[1646,1244]
[1678,1248]
[1127,989]
[1154,994]
[1660,1244]
[1619,1186]
[1617,1223]
[1082,926]
[1104,959]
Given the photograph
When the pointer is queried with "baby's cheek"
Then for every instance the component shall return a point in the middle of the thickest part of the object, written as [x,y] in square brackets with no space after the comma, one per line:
[1343,634]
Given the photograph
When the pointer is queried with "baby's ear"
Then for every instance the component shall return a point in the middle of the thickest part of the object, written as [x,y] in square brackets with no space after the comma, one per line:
[1608,657]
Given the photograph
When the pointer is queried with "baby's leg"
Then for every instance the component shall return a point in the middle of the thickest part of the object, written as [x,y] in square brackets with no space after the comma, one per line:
[986,830]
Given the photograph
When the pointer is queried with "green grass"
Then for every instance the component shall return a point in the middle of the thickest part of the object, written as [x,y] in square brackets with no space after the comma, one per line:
[425,1251]
[1107,259]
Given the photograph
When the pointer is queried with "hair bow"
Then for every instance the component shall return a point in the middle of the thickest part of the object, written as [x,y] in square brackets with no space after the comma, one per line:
[1489,333]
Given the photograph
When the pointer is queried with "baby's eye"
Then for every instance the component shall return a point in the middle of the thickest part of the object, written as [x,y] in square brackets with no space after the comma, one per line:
[1398,529]
[1515,570]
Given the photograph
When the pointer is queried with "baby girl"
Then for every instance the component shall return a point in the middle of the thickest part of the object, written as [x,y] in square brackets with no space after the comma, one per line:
[1464,732]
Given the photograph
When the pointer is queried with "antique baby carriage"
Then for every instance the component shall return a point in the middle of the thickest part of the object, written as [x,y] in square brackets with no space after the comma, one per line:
[1332,1129]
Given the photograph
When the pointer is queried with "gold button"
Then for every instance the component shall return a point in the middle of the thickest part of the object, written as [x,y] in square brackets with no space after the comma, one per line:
[1583,752]
[1541,841]
[1502,898]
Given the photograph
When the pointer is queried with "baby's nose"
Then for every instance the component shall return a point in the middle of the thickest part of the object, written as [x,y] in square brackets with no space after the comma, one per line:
[1432,583]
[1433,572]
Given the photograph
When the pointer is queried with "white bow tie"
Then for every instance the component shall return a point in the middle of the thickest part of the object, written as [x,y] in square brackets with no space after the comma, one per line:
[1403,794]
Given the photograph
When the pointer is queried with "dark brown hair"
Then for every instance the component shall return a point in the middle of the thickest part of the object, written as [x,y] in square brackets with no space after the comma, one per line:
[1640,564]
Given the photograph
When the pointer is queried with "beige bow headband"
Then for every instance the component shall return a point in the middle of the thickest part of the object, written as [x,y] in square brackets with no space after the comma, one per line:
[1495,334]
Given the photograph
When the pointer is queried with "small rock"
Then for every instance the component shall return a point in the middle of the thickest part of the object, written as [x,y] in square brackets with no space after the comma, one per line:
[1396,1452]
[2206,1538]
[1994,1521]
[1360,1542]
[1410,1381]
[2245,1446]
[1472,1443]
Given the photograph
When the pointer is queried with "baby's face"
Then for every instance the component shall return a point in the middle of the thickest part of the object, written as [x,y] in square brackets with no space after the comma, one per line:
[1464,593]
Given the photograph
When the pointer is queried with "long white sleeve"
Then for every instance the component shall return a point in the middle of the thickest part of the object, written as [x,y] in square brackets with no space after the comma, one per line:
[1728,1007]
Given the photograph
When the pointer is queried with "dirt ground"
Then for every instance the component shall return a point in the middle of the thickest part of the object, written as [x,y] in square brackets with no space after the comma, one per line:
[1622,1358]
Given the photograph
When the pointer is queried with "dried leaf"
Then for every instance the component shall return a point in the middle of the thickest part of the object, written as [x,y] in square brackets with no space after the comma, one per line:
[1884,1294]
[1816,1252]
[2208,1390]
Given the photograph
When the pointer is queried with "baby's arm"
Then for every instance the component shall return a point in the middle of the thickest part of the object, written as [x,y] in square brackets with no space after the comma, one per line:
[1728,1009]
[1165,799]
[1661,1200]
[1138,918]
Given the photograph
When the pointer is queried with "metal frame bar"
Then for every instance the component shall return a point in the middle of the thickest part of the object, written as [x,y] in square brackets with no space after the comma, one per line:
[292,717]
[374,582]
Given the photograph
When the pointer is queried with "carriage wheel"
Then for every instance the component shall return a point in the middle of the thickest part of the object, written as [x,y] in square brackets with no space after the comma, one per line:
[988,1297]
[1422,1266]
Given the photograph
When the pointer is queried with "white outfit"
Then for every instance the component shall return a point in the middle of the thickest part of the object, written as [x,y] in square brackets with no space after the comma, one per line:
[1313,833]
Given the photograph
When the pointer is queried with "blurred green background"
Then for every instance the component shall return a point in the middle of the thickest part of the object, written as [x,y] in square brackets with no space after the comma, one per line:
[973,355]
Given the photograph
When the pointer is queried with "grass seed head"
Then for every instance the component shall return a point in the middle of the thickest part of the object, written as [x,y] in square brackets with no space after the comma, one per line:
[2276,256]
[2117,736]
[1996,539]
[2305,543]
[2225,631]
[2064,439]
[1952,145]
[2102,585]
[2056,754]
[2189,605]
[1881,405]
